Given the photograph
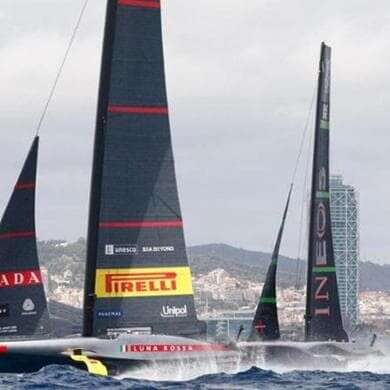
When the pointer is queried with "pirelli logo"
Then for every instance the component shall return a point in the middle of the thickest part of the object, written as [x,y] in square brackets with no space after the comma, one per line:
[143,282]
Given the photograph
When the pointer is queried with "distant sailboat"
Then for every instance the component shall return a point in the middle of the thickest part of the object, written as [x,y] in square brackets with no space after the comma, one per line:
[326,342]
[323,320]
[265,324]
[23,307]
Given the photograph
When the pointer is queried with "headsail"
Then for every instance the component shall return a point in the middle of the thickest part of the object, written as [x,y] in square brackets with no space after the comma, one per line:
[23,307]
[323,316]
[265,325]
[137,278]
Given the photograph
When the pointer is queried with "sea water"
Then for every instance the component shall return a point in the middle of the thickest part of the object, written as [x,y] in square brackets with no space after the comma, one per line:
[370,373]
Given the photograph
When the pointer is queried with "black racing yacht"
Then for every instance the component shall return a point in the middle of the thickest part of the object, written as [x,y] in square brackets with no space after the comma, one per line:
[139,302]
[326,343]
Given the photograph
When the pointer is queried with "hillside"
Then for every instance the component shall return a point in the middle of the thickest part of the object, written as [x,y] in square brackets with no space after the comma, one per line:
[59,256]
[244,264]
[252,265]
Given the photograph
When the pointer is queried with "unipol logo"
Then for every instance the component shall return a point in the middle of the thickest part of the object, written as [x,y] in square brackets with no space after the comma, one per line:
[20,279]
[143,282]
[169,311]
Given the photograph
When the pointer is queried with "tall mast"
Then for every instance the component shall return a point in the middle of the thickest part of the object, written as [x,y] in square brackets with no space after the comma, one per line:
[323,320]
[97,167]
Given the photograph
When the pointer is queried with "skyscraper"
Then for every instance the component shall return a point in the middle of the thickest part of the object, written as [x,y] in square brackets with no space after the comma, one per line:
[345,229]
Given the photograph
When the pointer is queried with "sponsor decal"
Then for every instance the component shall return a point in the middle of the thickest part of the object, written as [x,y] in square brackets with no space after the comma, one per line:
[4,310]
[20,278]
[129,249]
[260,327]
[171,311]
[143,282]
[28,307]
[8,329]
[109,250]
[115,332]
[157,249]
[120,250]
[325,114]
[321,283]
[144,348]
[109,313]
[326,84]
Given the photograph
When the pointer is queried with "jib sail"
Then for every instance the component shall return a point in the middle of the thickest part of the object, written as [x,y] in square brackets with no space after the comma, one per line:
[23,308]
[138,278]
[323,316]
[265,325]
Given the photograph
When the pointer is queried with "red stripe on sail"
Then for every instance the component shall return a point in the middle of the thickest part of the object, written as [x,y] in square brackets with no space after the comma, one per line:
[116,109]
[140,224]
[4,236]
[140,3]
[25,186]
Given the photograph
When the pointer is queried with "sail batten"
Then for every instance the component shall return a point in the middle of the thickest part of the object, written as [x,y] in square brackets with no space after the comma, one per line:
[140,224]
[140,3]
[323,319]
[137,264]
[120,109]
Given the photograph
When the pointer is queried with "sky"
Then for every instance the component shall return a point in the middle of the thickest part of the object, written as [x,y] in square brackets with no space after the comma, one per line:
[240,78]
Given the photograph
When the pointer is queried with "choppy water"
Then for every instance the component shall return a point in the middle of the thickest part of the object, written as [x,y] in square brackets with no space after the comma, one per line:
[61,377]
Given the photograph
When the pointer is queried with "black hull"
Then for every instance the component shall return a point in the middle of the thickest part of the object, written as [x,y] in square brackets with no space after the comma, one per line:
[18,364]
[299,359]
[24,364]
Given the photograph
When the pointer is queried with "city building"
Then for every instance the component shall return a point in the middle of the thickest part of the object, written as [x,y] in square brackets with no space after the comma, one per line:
[345,229]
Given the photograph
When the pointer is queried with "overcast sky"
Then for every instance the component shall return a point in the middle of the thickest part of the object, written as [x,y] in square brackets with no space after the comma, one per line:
[240,78]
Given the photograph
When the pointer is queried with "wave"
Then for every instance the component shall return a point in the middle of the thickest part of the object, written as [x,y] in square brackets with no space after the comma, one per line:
[61,377]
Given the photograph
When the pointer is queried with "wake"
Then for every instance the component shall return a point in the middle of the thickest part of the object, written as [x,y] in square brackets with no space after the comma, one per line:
[187,370]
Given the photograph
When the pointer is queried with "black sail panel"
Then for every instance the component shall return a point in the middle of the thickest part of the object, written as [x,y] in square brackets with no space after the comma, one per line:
[265,325]
[138,277]
[23,307]
[323,315]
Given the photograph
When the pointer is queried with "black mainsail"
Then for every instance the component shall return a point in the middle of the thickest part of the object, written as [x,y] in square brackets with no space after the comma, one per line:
[23,307]
[323,316]
[137,277]
[265,325]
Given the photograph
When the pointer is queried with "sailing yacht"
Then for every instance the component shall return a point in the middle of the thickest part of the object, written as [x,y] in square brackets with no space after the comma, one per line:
[265,325]
[139,301]
[326,342]
[23,306]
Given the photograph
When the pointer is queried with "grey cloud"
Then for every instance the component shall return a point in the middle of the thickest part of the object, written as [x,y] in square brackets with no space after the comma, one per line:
[240,79]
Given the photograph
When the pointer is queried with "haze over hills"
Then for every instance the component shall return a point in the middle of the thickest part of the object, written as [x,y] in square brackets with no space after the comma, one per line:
[253,265]
[59,256]
[66,262]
